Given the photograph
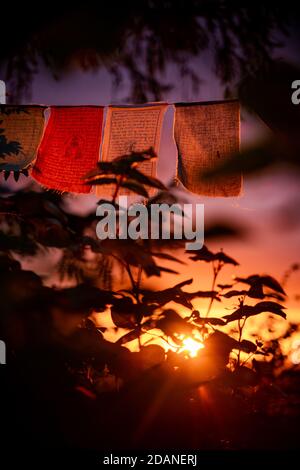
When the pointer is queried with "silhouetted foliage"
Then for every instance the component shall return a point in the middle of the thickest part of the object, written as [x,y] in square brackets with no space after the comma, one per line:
[10,147]
[58,329]
[140,39]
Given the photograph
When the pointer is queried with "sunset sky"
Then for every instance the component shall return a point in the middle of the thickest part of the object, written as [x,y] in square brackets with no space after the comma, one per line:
[272,240]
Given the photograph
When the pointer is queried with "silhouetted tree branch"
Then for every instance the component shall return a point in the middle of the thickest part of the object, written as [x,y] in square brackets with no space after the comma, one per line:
[140,39]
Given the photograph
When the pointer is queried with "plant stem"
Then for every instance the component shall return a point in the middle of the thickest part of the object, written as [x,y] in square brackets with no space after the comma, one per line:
[118,185]
[216,270]
[139,277]
[239,340]
[135,288]
[133,283]
[241,327]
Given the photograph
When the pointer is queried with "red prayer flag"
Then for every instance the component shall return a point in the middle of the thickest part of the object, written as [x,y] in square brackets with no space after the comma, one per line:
[70,148]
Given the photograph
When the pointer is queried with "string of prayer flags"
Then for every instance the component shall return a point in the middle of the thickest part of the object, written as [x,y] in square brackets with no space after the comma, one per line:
[70,148]
[206,135]
[132,128]
[21,130]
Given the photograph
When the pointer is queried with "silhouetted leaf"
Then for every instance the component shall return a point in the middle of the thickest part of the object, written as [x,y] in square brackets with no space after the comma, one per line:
[145,179]
[248,311]
[242,377]
[257,280]
[234,293]
[220,256]
[101,181]
[174,294]
[220,343]
[163,269]
[83,298]
[124,167]
[256,291]
[172,323]
[122,320]
[248,346]
[151,355]
[138,157]
[183,283]
[135,187]
[131,336]
[202,294]
[272,307]
[204,254]
[209,321]
[124,313]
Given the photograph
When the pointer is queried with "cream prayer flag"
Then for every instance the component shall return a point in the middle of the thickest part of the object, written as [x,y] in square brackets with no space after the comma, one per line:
[132,128]
[207,134]
[21,130]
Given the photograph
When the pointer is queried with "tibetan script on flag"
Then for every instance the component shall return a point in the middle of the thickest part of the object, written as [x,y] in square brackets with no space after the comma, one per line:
[70,148]
[207,134]
[132,129]
[21,129]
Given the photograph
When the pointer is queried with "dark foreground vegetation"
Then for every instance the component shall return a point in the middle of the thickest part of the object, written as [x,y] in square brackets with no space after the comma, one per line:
[65,386]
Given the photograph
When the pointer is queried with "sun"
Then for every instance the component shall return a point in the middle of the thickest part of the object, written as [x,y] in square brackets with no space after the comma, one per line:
[295,352]
[191,346]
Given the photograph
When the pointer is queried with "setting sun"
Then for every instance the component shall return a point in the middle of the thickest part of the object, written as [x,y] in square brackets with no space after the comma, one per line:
[191,346]
[295,352]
